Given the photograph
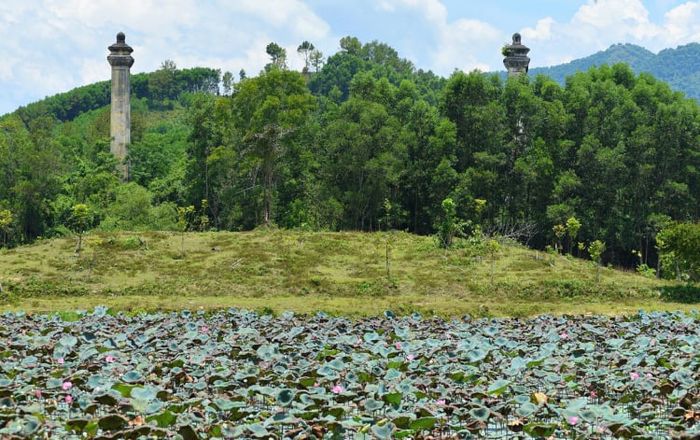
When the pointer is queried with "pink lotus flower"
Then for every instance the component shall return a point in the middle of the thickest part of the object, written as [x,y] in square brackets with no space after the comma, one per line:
[594,394]
[316,385]
[440,402]
[634,375]
[60,361]
[37,394]
[410,357]
[109,358]
[398,346]
[204,329]
[66,386]
[572,420]
[69,399]
[337,389]
[564,335]
[649,376]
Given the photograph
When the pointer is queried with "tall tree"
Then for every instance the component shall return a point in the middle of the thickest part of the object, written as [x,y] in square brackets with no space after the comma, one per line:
[278,55]
[227,83]
[271,112]
[316,58]
[306,49]
[162,83]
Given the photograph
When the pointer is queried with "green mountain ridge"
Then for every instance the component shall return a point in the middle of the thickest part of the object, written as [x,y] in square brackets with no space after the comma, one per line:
[679,67]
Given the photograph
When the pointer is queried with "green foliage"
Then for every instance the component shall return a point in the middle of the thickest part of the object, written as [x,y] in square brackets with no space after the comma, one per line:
[306,49]
[68,106]
[596,250]
[573,226]
[493,247]
[185,216]
[609,155]
[162,83]
[334,364]
[559,233]
[269,111]
[676,66]
[316,59]
[133,210]
[679,244]
[645,270]
[307,271]
[6,220]
[80,220]
[278,55]
[449,226]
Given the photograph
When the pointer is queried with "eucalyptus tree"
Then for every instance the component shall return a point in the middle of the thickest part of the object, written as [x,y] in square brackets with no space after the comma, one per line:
[306,50]
[278,55]
[271,112]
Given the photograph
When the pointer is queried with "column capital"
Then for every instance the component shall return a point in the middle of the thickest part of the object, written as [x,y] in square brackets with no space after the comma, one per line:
[120,53]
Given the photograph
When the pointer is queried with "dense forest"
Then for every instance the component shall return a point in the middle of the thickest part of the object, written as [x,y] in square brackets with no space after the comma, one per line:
[363,140]
[679,67]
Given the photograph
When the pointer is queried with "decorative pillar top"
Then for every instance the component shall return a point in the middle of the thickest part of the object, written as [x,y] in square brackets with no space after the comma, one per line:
[120,52]
[516,59]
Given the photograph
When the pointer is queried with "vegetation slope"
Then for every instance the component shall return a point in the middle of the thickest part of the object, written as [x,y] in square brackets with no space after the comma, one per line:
[339,272]
[365,142]
[679,67]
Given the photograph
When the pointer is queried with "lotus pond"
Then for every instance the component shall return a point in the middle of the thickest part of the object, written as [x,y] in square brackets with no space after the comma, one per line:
[237,374]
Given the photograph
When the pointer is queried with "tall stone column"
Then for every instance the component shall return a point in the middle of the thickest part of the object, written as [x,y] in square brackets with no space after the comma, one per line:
[516,60]
[120,121]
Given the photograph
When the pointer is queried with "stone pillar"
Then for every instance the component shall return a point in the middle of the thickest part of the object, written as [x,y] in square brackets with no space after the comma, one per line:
[516,59]
[120,121]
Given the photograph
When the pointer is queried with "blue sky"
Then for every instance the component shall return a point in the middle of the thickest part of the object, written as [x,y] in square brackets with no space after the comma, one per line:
[50,46]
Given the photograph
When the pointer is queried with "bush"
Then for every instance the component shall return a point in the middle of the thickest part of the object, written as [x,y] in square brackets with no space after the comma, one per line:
[679,244]
[449,226]
[163,217]
[133,210]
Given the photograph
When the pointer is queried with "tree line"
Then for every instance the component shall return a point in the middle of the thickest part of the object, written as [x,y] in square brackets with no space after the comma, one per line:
[363,140]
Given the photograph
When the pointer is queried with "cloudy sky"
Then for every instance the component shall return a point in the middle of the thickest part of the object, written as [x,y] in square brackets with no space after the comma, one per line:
[50,46]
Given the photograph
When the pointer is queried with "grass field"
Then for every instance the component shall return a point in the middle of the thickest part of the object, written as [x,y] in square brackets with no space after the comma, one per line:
[340,273]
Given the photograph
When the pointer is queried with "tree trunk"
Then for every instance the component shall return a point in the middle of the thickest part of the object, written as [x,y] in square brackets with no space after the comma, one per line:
[388,259]
[80,244]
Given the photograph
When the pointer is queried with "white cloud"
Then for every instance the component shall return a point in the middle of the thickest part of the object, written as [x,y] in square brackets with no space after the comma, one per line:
[469,43]
[292,14]
[541,31]
[682,23]
[600,23]
[457,42]
[432,10]
[602,20]
[69,38]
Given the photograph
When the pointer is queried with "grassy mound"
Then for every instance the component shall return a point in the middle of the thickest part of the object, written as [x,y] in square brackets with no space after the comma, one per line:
[342,272]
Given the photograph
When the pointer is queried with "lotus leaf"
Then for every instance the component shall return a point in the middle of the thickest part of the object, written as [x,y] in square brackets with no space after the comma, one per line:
[236,374]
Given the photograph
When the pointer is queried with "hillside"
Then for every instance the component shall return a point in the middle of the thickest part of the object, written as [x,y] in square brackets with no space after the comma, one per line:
[679,67]
[366,141]
[304,271]
[155,87]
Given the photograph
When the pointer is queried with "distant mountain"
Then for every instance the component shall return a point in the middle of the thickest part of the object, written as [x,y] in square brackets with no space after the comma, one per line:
[679,67]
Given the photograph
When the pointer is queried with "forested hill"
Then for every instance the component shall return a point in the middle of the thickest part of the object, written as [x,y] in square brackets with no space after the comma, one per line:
[680,67]
[166,83]
[362,140]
